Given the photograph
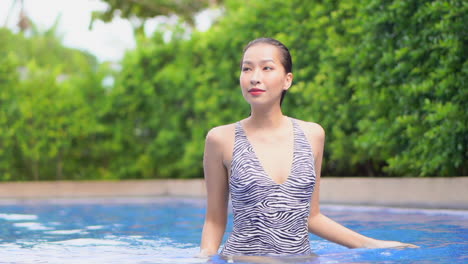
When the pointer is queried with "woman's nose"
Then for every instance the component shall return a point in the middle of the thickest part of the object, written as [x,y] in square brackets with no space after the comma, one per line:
[255,78]
[254,82]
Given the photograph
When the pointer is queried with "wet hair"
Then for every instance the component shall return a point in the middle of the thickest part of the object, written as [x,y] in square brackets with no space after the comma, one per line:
[286,60]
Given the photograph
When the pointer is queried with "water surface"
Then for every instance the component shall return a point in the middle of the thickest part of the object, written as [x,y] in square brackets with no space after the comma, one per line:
[167,230]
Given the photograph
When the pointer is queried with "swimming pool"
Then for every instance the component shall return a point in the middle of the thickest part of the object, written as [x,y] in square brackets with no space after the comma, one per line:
[167,230]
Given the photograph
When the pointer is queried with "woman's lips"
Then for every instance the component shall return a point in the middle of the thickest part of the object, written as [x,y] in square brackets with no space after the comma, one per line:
[256,91]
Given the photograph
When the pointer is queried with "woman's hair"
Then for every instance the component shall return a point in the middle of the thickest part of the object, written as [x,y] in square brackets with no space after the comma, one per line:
[286,60]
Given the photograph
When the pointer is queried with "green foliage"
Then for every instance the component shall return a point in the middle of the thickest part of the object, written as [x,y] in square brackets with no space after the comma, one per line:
[411,73]
[145,9]
[8,78]
[46,49]
[47,110]
[386,79]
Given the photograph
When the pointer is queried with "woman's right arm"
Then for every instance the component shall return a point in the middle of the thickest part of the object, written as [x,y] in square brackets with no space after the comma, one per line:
[216,181]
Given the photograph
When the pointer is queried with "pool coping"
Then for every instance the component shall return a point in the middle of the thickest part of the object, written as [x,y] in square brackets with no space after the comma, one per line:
[429,193]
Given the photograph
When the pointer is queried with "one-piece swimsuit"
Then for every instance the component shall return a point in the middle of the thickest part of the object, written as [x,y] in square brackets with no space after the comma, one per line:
[270,218]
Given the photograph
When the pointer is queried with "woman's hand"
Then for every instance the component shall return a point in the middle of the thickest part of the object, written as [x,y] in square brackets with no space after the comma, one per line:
[202,255]
[205,254]
[374,243]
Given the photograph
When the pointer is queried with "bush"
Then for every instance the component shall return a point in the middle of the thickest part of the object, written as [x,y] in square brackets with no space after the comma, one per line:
[385,79]
[48,96]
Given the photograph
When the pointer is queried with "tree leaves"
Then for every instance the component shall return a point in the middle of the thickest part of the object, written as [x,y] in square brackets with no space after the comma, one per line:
[387,81]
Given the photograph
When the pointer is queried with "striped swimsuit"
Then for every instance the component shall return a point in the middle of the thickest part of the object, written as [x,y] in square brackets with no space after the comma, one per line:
[270,218]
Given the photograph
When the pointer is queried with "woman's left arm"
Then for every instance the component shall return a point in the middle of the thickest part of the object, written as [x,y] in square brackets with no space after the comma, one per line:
[323,226]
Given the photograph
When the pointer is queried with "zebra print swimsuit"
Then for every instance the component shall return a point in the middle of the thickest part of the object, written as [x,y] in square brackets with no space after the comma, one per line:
[270,218]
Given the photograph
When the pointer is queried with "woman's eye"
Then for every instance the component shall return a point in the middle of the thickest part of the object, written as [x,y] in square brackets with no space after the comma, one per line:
[245,69]
[267,68]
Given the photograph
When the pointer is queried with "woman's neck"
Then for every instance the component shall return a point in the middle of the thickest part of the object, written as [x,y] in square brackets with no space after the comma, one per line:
[266,118]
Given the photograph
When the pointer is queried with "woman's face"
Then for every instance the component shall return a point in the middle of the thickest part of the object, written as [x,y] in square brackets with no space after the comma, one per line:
[263,77]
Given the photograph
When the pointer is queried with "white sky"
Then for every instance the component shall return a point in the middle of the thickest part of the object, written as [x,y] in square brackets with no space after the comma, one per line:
[107,41]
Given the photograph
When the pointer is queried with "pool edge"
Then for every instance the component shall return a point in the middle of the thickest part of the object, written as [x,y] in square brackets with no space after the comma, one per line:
[430,193]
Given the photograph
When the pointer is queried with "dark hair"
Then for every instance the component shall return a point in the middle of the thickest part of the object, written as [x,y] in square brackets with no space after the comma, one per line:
[286,60]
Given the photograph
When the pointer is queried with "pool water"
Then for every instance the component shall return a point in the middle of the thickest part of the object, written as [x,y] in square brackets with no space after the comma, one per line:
[167,230]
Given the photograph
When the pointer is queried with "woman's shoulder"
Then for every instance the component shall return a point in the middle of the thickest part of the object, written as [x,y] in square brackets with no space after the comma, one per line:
[311,129]
[220,134]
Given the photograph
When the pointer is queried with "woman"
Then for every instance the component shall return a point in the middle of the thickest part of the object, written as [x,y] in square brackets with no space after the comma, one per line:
[270,164]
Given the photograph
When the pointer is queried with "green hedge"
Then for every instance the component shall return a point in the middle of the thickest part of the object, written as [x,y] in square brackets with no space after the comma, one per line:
[48,100]
[386,79]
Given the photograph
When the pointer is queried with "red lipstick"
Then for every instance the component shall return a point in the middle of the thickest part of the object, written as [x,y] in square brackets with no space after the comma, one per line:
[256,91]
